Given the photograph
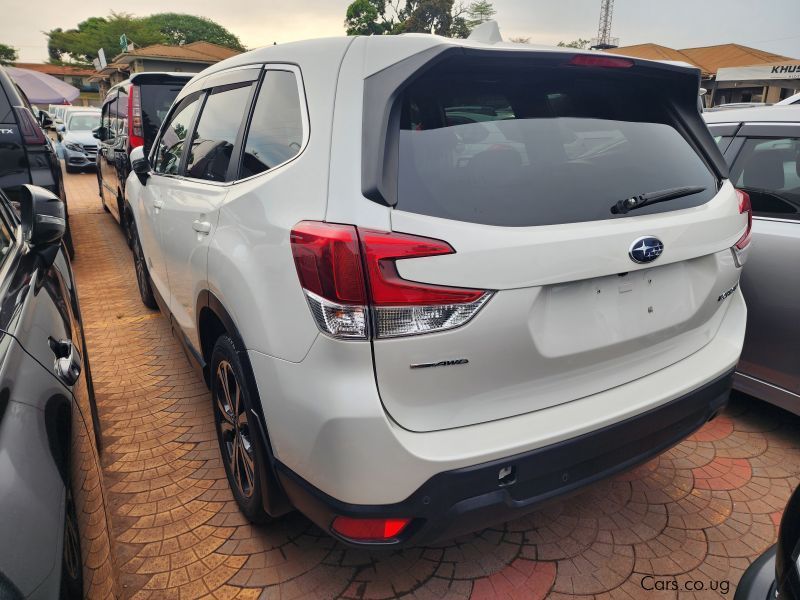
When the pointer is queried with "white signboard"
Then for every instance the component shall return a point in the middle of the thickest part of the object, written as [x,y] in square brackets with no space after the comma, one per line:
[789,70]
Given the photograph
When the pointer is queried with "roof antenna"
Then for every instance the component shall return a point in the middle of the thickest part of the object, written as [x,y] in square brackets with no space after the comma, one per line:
[488,33]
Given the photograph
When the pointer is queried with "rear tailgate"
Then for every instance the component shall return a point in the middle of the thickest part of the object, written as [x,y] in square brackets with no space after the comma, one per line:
[517,164]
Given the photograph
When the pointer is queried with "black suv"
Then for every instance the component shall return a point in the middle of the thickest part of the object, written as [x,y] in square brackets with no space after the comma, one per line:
[52,515]
[27,155]
[132,113]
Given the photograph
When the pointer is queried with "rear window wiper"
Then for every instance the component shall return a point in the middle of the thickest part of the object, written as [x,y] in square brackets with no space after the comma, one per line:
[628,204]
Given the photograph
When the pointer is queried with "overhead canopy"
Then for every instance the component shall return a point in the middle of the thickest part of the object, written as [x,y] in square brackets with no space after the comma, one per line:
[41,88]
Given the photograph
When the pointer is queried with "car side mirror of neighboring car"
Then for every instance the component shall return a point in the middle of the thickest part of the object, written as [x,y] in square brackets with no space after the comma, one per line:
[140,164]
[45,120]
[99,133]
[61,128]
[44,220]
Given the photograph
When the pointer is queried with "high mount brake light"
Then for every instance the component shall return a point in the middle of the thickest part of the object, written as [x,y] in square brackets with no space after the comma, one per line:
[349,274]
[599,60]
[745,207]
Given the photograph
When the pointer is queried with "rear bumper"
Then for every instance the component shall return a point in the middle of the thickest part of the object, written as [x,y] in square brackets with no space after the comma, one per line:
[758,581]
[467,499]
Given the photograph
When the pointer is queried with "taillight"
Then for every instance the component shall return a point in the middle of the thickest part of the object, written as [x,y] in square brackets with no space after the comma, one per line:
[745,207]
[599,60]
[369,530]
[30,130]
[135,128]
[331,261]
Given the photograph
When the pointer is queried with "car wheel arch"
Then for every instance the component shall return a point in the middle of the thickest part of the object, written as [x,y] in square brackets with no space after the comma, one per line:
[213,320]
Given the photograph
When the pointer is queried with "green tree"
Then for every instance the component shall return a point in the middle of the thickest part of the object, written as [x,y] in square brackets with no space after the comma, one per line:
[520,39]
[82,43]
[580,43]
[8,55]
[480,12]
[184,29]
[367,17]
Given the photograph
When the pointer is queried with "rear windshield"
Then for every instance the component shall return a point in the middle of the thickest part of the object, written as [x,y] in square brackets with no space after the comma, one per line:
[83,121]
[156,101]
[523,147]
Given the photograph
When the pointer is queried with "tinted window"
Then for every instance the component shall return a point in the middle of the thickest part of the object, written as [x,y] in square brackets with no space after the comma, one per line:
[511,148]
[276,131]
[157,98]
[170,146]
[215,135]
[5,108]
[769,170]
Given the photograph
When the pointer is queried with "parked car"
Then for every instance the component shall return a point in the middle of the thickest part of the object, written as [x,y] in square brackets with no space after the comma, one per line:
[736,106]
[27,154]
[52,513]
[762,145]
[56,113]
[77,138]
[405,345]
[776,573]
[147,98]
[794,99]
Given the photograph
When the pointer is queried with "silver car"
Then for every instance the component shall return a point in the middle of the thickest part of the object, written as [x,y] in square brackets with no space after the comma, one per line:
[762,147]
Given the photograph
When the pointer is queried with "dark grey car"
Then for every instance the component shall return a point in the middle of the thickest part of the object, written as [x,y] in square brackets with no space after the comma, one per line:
[53,521]
[762,147]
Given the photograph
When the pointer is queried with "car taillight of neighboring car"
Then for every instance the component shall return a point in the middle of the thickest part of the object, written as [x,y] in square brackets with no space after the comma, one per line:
[32,133]
[349,276]
[135,126]
[745,207]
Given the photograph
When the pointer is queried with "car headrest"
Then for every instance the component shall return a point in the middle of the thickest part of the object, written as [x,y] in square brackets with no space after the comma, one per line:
[764,170]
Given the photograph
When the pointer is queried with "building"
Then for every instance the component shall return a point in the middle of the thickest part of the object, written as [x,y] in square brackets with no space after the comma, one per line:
[189,58]
[731,72]
[78,77]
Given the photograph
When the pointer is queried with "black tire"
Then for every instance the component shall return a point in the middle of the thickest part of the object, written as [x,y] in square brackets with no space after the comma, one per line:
[128,226]
[243,454]
[71,561]
[143,275]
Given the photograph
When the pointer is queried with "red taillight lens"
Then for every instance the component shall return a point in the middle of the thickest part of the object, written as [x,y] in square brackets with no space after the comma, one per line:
[330,261]
[381,250]
[135,128]
[598,60]
[32,133]
[369,530]
[745,207]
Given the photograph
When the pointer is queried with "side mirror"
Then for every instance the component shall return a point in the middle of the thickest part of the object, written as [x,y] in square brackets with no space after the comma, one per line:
[61,128]
[140,164]
[44,218]
[44,119]
[99,133]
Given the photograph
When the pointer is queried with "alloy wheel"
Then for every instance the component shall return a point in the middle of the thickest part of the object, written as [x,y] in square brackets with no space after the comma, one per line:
[237,442]
[141,273]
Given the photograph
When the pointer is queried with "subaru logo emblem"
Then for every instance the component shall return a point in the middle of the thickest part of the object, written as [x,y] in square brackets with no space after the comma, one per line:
[646,249]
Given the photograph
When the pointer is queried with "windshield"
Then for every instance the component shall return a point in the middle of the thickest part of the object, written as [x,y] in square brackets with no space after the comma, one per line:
[509,147]
[83,121]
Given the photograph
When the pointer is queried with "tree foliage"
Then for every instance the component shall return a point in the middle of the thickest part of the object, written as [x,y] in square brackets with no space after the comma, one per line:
[82,43]
[8,54]
[520,39]
[442,17]
[580,43]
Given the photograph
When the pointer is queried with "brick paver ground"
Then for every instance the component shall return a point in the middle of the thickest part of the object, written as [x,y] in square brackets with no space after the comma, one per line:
[695,516]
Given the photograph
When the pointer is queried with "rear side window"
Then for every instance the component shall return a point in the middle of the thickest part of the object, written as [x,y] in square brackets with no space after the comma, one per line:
[157,98]
[769,171]
[170,146]
[276,130]
[215,135]
[504,147]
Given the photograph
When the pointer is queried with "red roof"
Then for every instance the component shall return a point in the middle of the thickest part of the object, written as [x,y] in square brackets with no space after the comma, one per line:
[56,70]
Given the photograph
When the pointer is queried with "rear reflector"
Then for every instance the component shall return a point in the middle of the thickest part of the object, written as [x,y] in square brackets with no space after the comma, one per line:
[599,60]
[745,207]
[369,530]
[348,274]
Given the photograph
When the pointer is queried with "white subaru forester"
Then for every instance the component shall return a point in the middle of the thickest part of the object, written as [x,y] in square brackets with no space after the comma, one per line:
[432,283]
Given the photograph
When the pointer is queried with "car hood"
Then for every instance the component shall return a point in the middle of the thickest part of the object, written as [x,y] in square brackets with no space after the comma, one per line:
[80,137]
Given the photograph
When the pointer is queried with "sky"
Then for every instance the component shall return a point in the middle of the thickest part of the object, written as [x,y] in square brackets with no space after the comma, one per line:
[766,24]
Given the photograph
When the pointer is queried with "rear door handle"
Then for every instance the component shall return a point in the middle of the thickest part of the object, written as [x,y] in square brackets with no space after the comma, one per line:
[203,227]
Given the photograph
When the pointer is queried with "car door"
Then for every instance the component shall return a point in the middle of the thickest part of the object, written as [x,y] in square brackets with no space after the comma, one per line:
[191,205]
[766,164]
[105,156]
[50,478]
[166,158]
